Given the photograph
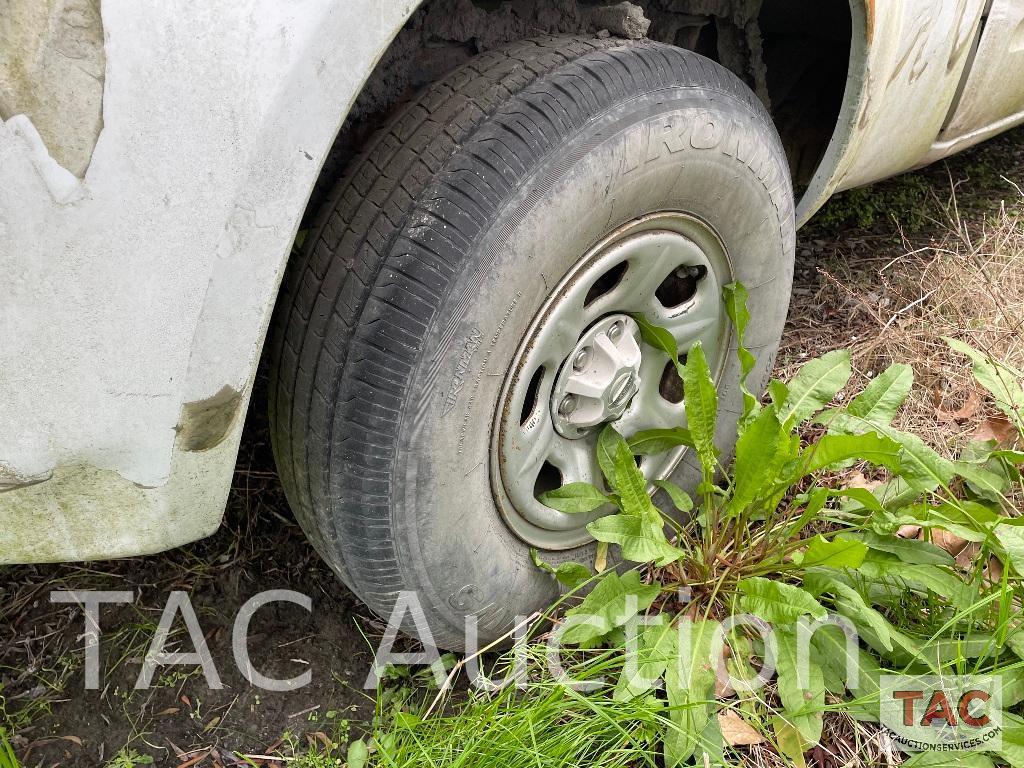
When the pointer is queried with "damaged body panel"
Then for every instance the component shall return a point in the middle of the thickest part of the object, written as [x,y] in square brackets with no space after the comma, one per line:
[148,285]
[991,98]
[52,65]
[926,80]
[907,62]
[157,159]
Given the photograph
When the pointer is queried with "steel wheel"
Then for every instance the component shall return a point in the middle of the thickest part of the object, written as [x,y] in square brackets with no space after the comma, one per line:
[582,365]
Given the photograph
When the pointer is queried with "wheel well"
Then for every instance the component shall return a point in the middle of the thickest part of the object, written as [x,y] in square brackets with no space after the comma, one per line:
[794,54]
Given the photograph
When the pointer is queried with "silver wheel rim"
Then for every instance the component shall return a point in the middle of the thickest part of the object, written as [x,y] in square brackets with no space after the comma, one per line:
[671,268]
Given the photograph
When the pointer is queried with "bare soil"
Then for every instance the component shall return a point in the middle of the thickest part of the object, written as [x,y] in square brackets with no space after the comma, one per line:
[859,264]
[259,547]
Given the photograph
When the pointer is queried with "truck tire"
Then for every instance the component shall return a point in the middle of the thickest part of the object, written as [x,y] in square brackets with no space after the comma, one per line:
[489,245]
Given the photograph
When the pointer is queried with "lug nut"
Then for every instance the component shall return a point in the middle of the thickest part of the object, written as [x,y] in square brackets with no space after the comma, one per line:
[567,406]
[615,331]
[582,358]
[695,272]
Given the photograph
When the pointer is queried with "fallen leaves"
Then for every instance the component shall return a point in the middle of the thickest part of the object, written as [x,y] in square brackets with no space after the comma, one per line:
[965,553]
[996,428]
[858,480]
[993,572]
[737,732]
[196,759]
[966,557]
[967,411]
[948,541]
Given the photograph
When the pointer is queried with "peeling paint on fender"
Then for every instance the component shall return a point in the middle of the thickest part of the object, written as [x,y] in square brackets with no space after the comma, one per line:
[82,512]
[52,67]
[64,186]
[903,61]
[11,480]
[132,294]
[205,423]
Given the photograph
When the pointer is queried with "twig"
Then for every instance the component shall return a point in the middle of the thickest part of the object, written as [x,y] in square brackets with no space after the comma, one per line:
[268,757]
[911,305]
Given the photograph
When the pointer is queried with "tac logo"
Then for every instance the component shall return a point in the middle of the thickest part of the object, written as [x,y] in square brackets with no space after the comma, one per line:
[942,713]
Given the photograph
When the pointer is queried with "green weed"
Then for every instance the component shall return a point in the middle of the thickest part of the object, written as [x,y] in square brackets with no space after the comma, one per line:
[128,758]
[767,535]
[7,757]
[907,199]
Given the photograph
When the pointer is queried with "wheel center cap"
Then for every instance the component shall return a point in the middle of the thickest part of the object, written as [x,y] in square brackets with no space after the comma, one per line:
[600,377]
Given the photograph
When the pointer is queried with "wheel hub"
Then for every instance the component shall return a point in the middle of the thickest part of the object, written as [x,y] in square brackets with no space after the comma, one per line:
[582,363]
[600,378]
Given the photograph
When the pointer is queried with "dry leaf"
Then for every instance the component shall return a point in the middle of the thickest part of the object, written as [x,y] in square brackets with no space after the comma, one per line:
[948,541]
[909,531]
[995,428]
[178,750]
[967,411]
[966,557]
[323,738]
[993,572]
[168,711]
[736,731]
[858,480]
[195,760]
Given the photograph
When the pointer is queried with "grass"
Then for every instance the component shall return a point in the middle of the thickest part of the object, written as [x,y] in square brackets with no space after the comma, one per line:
[909,199]
[7,757]
[550,725]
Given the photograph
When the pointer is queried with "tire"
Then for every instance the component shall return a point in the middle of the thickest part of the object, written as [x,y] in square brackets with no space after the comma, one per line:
[432,257]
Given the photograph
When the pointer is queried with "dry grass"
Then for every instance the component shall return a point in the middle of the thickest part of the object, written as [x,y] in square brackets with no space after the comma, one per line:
[851,744]
[966,281]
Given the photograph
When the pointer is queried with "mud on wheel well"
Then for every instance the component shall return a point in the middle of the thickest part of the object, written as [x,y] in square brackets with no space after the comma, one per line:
[794,54]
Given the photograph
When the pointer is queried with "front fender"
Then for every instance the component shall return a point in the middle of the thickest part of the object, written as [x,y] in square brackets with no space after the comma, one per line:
[137,293]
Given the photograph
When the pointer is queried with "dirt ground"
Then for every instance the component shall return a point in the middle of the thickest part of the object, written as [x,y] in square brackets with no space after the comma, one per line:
[259,547]
[859,264]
